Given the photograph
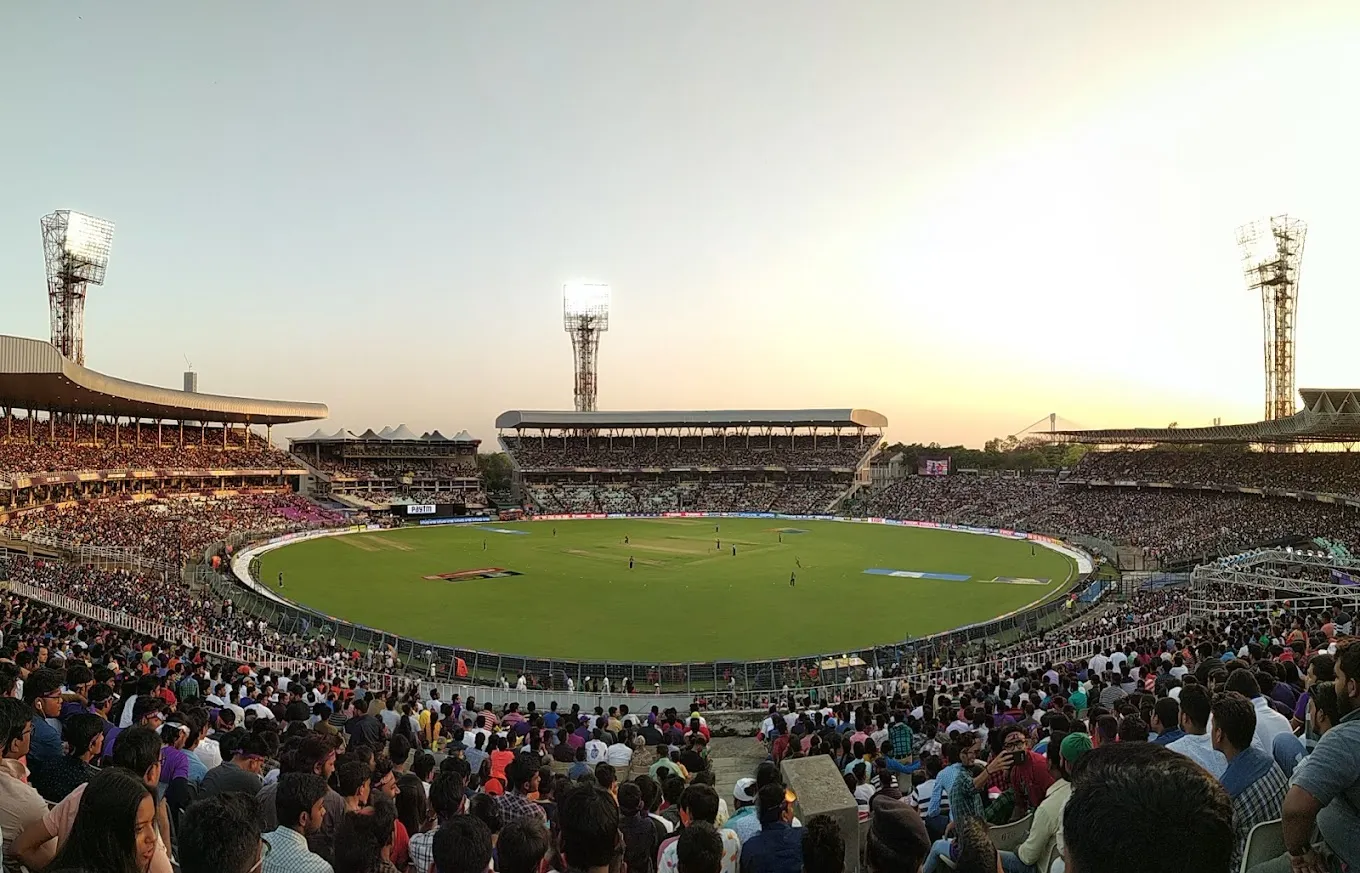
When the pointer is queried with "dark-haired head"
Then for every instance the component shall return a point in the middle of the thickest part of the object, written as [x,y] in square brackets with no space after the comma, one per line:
[361,836]
[485,808]
[463,845]
[413,807]
[220,835]
[1140,806]
[298,802]
[823,846]
[522,846]
[138,751]
[588,820]
[699,849]
[115,826]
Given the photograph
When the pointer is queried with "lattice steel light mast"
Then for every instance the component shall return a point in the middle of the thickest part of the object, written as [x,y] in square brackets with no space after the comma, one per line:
[1272,256]
[585,315]
[76,248]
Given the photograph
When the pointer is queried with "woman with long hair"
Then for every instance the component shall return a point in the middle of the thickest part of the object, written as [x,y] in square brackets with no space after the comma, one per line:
[413,808]
[115,827]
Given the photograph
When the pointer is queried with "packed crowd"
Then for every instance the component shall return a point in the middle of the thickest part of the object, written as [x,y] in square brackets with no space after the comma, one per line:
[673,496]
[1163,754]
[1172,525]
[363,469]
[1328,472]
[173,529]
[627,453]
[17,458]
[468,496]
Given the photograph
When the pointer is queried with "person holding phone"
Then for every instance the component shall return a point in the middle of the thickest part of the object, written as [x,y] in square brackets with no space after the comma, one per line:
[1019,768]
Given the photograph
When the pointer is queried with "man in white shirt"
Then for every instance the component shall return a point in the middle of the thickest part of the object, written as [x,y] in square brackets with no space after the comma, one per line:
[1269,723]
[1098,663]
[1196,744]
[596,749]
[618,755]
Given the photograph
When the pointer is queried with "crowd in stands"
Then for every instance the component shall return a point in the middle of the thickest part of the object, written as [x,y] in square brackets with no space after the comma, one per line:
[673,496]
[468,496]
[627,453]
[365,469]
[171,529]
[19,458]
[1161,755]
[1327,472]
[1168,523]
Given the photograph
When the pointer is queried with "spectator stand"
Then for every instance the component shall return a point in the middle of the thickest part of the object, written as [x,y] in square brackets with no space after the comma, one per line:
[394,465]
[798,461]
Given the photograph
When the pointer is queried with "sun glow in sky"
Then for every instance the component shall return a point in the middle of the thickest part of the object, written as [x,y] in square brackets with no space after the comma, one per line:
[962,215]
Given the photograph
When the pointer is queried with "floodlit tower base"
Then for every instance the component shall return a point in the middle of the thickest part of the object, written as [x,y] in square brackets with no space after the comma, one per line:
[585,346]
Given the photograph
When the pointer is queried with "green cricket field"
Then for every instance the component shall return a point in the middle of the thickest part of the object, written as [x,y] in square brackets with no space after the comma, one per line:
[662,590]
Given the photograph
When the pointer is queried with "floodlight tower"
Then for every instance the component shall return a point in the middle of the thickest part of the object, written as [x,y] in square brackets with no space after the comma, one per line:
[1272,256]
[585,315]
[76,248]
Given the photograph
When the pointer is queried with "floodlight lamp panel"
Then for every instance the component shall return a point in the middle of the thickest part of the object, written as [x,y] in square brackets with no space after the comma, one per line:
[88,239]
[590,299]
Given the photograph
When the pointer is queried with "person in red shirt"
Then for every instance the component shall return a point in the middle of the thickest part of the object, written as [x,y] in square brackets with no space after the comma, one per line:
[1020,769]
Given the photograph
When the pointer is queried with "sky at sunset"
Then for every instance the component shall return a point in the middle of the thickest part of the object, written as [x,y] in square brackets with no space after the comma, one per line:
[962,215]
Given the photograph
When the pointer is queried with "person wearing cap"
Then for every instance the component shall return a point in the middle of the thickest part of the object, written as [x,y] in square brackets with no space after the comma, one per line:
[896,841]
[778,848]
[1046,828]
[745,821]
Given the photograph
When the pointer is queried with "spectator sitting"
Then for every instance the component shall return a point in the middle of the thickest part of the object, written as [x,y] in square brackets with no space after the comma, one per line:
[1253,780]
[699,803]
[301,810]
[778,846]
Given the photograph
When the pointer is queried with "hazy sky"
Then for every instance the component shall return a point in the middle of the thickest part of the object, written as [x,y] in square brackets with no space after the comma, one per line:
[963,215]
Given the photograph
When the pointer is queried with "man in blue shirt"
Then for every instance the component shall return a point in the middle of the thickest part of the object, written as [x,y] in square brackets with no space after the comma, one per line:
[42,694]
[778,848]
[1166,721]
[959,756]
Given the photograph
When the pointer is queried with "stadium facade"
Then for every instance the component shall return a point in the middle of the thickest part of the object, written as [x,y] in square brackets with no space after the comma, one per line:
[796,460]
[63,420]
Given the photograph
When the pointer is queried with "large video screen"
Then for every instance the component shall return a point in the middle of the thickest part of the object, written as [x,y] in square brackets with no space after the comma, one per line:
[932,467]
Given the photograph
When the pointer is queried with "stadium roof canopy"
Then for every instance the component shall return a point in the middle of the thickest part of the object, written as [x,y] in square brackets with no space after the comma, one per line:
[400,433]
[722,418]
[34,375]
[1329,415]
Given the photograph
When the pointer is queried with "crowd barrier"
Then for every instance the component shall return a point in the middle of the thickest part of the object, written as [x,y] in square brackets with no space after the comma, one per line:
[737,700]
[694,678]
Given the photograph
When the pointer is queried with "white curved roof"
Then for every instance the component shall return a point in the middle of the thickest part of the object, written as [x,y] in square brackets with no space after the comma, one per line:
[720,418]
[34,375]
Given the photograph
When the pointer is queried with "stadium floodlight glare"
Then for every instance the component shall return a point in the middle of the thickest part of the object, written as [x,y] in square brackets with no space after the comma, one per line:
[585,315]
[1272,258]
[586,300]
[76,249]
